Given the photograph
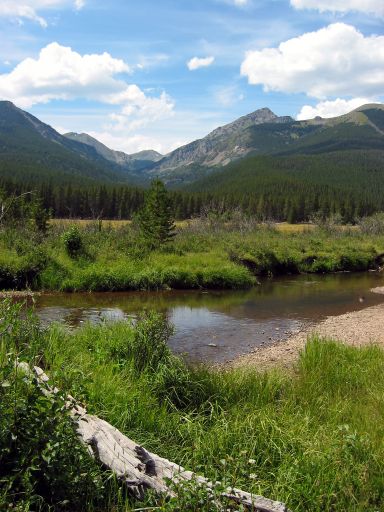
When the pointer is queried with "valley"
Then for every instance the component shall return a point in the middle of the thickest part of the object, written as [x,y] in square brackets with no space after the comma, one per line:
[171,293]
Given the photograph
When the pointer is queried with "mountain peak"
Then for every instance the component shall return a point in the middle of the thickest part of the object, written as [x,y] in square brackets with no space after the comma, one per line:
[7,103]
[117,157]
[369,106]
[263,112]
[260,116]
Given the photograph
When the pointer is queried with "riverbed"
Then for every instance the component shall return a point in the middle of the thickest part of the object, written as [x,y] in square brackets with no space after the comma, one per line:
[219,326]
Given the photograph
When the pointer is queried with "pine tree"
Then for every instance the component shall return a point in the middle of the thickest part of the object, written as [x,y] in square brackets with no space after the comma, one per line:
[155,219]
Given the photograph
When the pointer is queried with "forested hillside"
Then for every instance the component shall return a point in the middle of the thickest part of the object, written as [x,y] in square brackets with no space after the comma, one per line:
[294,187]
[280,188]
[33,151]
[282,169]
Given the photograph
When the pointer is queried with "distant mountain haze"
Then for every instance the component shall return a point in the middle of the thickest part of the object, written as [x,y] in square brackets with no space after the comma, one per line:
[118,157]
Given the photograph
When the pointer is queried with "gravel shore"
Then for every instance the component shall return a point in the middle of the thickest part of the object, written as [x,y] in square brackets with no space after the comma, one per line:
[356,328]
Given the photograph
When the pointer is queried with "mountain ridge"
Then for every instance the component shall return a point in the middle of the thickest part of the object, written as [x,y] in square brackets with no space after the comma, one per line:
[141,158]
[27,142]
[29,145]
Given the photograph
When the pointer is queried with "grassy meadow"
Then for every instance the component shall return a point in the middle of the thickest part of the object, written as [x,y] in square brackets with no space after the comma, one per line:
[311,438]
[203,254]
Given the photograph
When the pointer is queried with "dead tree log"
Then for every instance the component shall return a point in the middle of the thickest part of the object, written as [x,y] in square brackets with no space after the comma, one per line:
[138,469]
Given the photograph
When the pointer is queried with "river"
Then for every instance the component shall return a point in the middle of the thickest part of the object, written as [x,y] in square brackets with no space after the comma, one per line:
[217,326]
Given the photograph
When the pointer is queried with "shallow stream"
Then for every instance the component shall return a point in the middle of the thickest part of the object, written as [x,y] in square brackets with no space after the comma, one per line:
[217,326]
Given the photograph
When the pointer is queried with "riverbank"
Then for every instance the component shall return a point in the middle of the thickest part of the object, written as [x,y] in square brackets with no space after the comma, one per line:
[312,439]
[202,255]
[357,329]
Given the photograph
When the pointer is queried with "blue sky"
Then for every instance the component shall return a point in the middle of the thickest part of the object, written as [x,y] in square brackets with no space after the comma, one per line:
[157,74]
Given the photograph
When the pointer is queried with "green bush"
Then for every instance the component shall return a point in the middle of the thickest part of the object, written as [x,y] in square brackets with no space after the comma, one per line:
[42,463]
[73,242]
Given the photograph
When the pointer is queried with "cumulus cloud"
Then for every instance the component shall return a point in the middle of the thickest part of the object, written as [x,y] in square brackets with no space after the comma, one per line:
[337,60]
[368,6]
[61,73]
[29,9]
[196,62]
[332,108]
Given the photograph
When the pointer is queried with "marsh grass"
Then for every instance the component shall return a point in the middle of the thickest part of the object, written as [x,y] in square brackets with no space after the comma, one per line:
[201,255]
[311,438]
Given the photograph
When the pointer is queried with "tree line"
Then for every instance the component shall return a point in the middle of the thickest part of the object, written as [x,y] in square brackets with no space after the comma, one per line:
[269,198]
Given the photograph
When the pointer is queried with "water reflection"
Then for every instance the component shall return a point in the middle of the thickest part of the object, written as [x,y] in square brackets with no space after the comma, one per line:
[219,325]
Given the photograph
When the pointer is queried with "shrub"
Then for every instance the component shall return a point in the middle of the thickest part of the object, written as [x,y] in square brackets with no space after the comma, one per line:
[73,242]
[42,463]
[373,225]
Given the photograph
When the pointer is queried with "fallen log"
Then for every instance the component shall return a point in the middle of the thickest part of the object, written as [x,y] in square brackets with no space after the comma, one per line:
[137,468]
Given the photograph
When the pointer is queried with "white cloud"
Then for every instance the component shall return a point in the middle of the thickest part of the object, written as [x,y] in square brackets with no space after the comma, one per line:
[163,136]
[61,73]
[337,60]
[368,6]
[29,9]
[196,62]
[240,2]
[137,108]
[228,96]
[332,108]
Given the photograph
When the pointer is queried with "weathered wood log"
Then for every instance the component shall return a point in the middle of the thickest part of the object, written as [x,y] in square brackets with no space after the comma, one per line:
[137,468]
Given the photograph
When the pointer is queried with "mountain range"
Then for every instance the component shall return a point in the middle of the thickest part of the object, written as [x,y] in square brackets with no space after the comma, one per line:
[29,147]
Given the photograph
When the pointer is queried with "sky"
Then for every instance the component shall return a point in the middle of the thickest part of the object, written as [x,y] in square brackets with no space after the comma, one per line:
[157,74]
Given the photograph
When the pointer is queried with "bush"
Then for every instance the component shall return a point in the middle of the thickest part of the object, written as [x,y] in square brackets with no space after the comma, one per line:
[373,225]
[73,242]
[42,463]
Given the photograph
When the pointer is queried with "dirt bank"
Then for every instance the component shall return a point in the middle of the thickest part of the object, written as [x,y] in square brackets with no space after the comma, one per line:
[356,328]
[18,294]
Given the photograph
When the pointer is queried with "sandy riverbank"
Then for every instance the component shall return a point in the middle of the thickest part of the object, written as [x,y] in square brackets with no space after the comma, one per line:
[356,328]
[18,294]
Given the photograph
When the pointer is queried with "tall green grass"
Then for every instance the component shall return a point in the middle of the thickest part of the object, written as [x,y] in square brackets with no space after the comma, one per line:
[311,438]
[201,256]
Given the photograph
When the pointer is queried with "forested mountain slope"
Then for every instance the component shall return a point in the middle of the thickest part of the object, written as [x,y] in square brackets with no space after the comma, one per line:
[34,151]
[262,132]
[294,187]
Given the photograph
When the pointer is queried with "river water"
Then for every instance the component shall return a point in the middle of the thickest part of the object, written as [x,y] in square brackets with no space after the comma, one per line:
[217,326]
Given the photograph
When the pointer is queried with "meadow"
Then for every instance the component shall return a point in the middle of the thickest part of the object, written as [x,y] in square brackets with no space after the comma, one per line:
[311,438]
[204,253]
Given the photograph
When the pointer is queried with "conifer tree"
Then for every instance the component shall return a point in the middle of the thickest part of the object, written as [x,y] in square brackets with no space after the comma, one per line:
[155,219]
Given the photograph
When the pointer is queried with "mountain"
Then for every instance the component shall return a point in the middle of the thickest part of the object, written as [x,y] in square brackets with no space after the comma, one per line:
[135,161]
[218,148]
[262,132]
[30,149]
[295,187]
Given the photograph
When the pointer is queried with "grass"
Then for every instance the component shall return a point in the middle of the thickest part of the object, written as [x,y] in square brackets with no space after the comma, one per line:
[117,224]
[311,438]
[206,254]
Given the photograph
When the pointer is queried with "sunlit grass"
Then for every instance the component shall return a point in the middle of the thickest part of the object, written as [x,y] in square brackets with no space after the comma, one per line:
[312,438]
[202,255]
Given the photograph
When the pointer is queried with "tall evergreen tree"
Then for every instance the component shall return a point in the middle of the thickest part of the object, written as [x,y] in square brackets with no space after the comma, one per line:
[155,219]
